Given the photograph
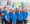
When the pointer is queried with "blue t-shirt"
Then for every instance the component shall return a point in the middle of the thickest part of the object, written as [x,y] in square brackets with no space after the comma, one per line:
[22,12]
[20,16]
[25,15]
[8,17]
[13,17]
[3,12]
[16,13]
[10,14]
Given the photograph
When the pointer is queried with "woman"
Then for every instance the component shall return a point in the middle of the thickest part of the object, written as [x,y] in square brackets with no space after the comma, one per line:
[20,15]
[13,18]
[25,16]
[7,17]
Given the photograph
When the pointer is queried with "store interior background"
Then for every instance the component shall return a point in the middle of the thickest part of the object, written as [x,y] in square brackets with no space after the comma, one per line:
[16,4]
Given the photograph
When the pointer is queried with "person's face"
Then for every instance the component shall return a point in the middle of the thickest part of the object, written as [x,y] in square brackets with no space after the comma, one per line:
[22,9]
[4,8]
[13,12]
[19,11]
[25,11]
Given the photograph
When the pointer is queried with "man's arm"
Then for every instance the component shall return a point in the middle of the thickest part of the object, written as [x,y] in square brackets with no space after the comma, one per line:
[6,18]
[3,14]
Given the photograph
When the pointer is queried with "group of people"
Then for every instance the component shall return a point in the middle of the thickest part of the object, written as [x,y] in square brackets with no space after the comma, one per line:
[14,17]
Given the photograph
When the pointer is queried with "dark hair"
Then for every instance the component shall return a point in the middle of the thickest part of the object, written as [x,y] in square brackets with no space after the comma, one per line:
[22,7]
[26,10]
[10,9]
[4,7]
[13,10]
[16,9]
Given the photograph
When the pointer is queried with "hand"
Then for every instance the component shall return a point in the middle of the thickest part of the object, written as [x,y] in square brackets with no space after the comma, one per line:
[25,19]
[10,21]
[7,19]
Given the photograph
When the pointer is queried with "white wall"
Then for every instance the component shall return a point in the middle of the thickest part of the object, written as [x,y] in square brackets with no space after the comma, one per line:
[19,0]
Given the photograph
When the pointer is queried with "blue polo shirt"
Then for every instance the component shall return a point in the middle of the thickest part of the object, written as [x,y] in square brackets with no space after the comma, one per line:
[14,17]
[3,12]
[25,15]
[10,14]
[22,12]
[16,13]
[20,16]
[8,17]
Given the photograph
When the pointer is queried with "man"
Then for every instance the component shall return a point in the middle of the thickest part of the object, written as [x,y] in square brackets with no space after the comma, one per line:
[13,18]
[22,12]
[16,15]
[3,12]
[10,13]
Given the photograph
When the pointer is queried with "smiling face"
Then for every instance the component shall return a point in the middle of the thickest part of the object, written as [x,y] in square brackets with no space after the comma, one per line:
[19,11]
[10,10]
[25,10]
[22,8]
[4,8]
[13,12]
[16,10]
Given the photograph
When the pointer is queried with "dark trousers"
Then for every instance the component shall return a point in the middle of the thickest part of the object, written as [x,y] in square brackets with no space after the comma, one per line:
[3,20]
[16,21]
[10,21]
[7,22]
[25,21]
[20,22]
